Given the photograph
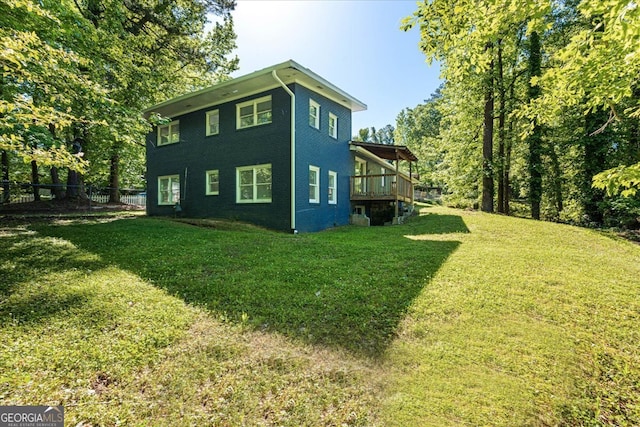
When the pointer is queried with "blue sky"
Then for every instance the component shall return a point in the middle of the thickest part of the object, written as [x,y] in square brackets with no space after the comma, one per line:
[355,44]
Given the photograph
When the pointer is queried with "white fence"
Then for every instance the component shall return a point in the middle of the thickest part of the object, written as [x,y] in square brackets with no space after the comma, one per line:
[129,199]
[24,194]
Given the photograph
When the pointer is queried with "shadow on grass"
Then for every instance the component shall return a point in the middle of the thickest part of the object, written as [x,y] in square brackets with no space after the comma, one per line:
[348,287]
[25,259]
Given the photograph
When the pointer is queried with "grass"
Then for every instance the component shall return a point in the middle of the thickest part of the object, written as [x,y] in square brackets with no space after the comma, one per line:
[455,318]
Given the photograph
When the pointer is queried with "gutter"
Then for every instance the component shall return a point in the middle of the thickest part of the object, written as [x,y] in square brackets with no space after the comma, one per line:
[293,149]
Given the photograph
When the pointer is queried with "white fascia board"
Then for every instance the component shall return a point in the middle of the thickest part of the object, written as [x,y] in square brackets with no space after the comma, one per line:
[251,84]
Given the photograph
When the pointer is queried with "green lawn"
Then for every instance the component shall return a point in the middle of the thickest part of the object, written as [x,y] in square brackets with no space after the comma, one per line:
[455,318]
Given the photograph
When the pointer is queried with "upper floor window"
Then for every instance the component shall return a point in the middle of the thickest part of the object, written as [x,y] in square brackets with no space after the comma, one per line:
[254,112]
[314,184]
[333,188]
[314,114]
[213,183]
[169,133]
[213,122]
[333,125]
[168,189]
[253,184]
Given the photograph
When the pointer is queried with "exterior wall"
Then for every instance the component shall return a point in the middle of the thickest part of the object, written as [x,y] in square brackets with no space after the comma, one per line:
[316,147]
[197,153]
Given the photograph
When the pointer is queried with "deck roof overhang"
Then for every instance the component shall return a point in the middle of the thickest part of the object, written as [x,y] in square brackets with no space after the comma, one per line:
[289,72]
[387,152]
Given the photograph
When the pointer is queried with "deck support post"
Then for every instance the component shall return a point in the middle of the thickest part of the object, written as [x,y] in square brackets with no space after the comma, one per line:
[396,187]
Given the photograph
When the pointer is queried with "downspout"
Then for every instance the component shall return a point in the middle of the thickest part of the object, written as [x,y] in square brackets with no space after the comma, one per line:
[293,149]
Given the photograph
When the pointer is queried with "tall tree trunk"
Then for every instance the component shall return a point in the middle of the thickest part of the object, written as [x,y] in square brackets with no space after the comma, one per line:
[596,146]
[507,159]
[487,140]
[56,184]
[35,181]
[556,180]
[6,190]
[75,187]
[114,176]
[633,151]
[506,177]
[535,139]
[501,131]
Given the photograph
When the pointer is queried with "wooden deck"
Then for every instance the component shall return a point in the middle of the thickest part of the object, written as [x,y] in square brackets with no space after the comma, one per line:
[381,187]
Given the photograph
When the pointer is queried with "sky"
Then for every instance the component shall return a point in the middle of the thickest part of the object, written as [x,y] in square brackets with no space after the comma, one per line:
[357,45]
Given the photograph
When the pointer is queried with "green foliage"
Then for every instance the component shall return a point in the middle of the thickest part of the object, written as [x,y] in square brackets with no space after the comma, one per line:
[585,68]
[622,178]
[88,69]
[384,135]
[419,128]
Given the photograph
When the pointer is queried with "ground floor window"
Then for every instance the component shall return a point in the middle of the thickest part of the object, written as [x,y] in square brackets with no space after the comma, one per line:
[168,189]
[333,188]
[253,184]
[314,184]
[213,182]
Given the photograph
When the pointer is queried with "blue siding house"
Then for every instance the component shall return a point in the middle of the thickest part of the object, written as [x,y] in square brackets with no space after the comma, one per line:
[271,148]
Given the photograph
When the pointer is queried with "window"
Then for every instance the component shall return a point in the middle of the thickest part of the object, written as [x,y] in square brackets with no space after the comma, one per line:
[314,114]
[253,113]
[253,184]
[213,122]
[333,125]
[169,134]
[213,183]
[314,184]
[333,188]
[168,190]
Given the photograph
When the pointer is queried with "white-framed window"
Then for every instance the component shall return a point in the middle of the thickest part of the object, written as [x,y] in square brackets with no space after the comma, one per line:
[383,180]
[332,198]
[169,133]
[333,125]
[213,183]
[213,122]
[314,114]
[253,184]
[168,189]
[314,184]
[254,112]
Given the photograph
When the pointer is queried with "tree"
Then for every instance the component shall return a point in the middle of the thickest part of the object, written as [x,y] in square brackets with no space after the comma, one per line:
[467,37]
[598,69]
[384,135]
[419,129]
[95,65]
[534,139]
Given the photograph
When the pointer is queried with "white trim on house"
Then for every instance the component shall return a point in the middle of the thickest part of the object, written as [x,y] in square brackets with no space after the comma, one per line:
[170,195]
[251,189]
[314,184]
[254,112]
[212,128]
[333,125]
[208,182]
[172,135]
[332,188]
[314,114]
[258,81]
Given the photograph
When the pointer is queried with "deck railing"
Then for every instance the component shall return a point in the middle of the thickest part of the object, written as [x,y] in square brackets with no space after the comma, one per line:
[381,187]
